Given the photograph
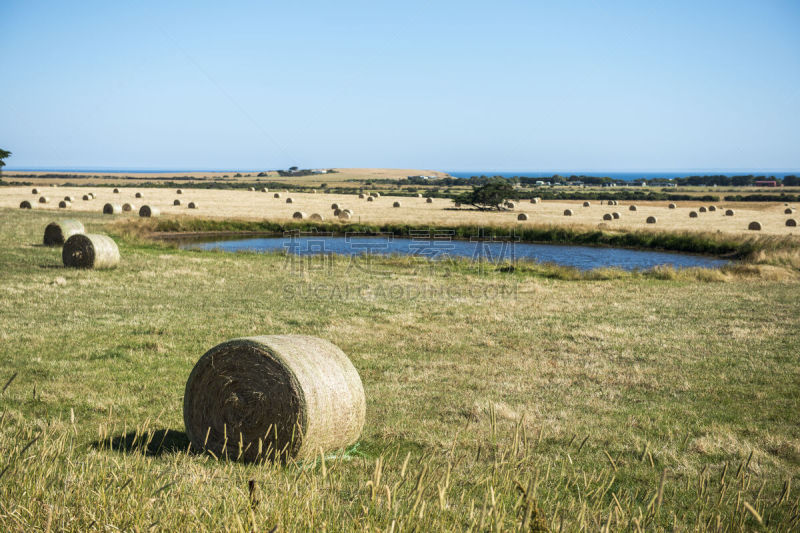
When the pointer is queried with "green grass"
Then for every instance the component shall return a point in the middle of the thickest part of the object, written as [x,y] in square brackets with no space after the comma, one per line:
[495,400]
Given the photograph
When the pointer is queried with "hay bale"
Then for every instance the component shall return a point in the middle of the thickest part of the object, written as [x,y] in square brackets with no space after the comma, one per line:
[334,206]
[56,233]
[116,191]
[692,214]
[138,195]
[88,250]
[54,184]
[702,209]
[148,211]
[254,394]
[317,217]
[535,200]
[112,209]
[458,204]
[179,191]
[792,223]
[788,211]
[587,204]
[192,205]
[313,191]
[729,212]
[754,226]
[86,197]
[370,199]
[299,215]
[252,189]
[361,196]
[428,200]
[567,212]
[68,199]
[128,207]
[276,195]
[337,212]
[91,195]
[712,208]
[34,191]
[344,215]
[44,200]
[511,205]
[25,204]
[348,211]
[651,220]
[615,215]
[396,204]
[672,206]
[176,201]
[289,200]
[607,216]
[63,204]
[632,208]
[522,216]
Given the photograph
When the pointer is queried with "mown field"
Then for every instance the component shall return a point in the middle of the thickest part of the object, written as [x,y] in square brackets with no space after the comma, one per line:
[496,400]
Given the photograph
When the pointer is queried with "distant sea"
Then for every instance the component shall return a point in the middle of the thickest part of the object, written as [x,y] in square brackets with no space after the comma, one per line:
[622,176]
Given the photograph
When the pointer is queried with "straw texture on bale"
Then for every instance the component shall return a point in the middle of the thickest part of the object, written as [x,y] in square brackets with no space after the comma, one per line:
[63,204]
[429,200]
[615,214]
[729,212]
[44,200]
[299,215]
[34,191]
[25,204]
[275,396]
[87,250]
[754,226]
[790,222]
[68,199]
[522,216]
[112,209]
[567,212]
[176,201]
[396,204]
[672,206]
[56,233]
[289,200]
[607,216]
[148,211]
[138,195]
[317,216]
[276,195]
[586,204]
[692,214]
[128,207]
[632,208]
[651,220]
[192,205]
[702,209]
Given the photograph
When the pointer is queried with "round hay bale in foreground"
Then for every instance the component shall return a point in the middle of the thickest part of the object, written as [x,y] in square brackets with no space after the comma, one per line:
[128,207]
[651,220]
[702,209]
[632,208]
[276,195]
[148,211]
[522,216]
[692,214]
[317,216]
[370,199]
[55,233]
[275,396]
[112,209]
[44,200]
[25,204]
[754,226]
[299,215]
[116,191]
[428,200]
[289,200]
[63,204]
[176,201]
[788,211]
[607,216]
[34,191]
[138,195]
[88,250]
[586,204]
[192,205]
[712,208]
[567,212]
[790,222]
[396,204]
[615,215]
[672,206]
[729,212]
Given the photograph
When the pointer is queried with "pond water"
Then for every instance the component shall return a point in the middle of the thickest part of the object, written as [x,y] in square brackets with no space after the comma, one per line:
[436,247]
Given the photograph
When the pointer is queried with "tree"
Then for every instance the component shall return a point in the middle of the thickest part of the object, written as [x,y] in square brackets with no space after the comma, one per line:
[292,169]
[492,195]
[3,154]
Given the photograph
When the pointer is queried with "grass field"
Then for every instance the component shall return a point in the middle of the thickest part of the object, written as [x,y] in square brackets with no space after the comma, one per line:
[259,205]
[495,400]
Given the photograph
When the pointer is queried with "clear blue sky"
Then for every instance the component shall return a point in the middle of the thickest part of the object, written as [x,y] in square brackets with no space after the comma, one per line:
[446,85]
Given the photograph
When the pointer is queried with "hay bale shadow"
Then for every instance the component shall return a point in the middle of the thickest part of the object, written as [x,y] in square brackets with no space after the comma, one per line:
[152,443]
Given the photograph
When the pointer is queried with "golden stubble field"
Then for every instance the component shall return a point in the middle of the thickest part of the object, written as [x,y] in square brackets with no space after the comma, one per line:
[260,205]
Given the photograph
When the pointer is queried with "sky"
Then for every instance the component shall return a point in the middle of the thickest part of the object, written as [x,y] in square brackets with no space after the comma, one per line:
[501,85]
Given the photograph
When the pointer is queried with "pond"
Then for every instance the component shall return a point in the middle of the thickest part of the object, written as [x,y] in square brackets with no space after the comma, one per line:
[437,247]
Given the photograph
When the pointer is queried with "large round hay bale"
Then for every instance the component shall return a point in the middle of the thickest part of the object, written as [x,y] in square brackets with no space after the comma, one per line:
[607,216]
[86,198]
[276,195]
[361,196]
[289,200]
[712,208]
[428,200]
[148,211]
[535,200]
[176,201]
[68,199]
[567,212]
[790,222]
[317,217]
[128,207]
[63,204]
[522,216]
[729,212]
[334,206]
[116,191]
[34,191]
[91,196]
[370,199]
[344,215]
[754,226]
[788,211]
[299,215]
[702,209]
[651,220]
[586,204]
[87,250]
[192,205]
[511,205]
[396,204]
[138,195]
[25,204]
[252,189]
[632,208]
[56,233]
[112,209]
[275,396]
[337,212]
[179,191]
[348,211]
[692,214]
[44,200]
[672,206]
[615,215]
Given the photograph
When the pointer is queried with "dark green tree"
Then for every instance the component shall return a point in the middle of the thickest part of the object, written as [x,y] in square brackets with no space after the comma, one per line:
[492,195]
[3,155]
